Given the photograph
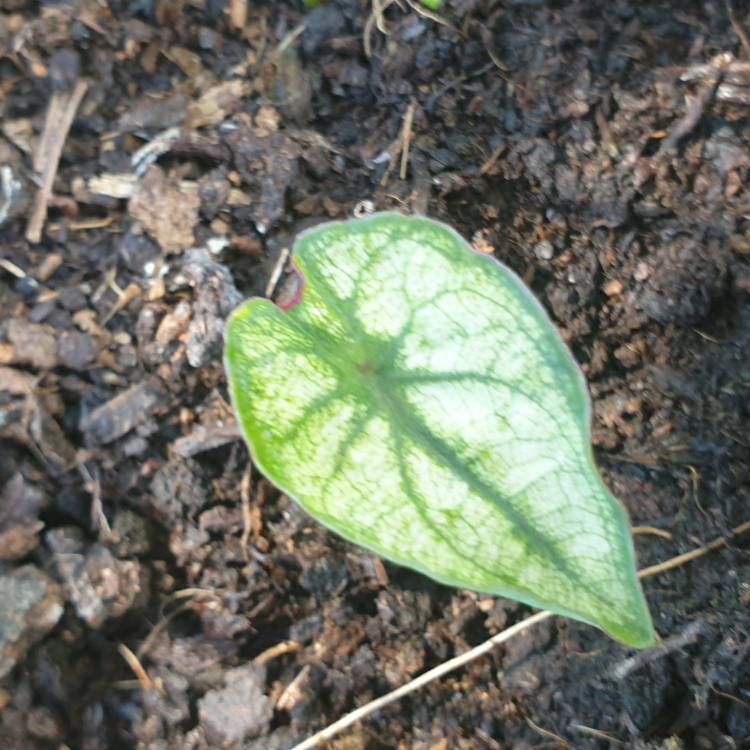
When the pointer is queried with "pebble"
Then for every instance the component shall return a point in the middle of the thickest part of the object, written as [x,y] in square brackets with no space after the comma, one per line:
[122,413]
[77,350]
[612,287]
[34,345]
[642,271]
[240,709]
[31,606]
[544,250]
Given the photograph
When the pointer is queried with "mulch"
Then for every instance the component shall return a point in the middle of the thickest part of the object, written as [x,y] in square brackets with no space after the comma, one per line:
[157,158]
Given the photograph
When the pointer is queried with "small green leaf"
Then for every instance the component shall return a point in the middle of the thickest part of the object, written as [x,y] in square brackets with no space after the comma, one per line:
[416,399]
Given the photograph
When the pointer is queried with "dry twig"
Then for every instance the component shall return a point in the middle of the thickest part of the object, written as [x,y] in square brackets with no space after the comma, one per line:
[134,663]
[597,733]
[285,647]
[406,134]
[427,13]
[93,487]
[689,121]
[651,530]
[549,735]
[459,661]
[423,679]
[375,20]
[292,693]
[676,562]
[739,29]
[60,113]
[689,634]
[278,269]
[238,13]
[247,519]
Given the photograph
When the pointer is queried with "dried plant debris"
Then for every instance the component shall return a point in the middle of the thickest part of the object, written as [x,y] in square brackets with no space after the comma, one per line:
[123,412]
[216,103]
[215,297]
[268,164]
[167,208]
[33,344]
[20,503]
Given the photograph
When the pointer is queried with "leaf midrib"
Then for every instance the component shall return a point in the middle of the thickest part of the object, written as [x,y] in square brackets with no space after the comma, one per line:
[399,415]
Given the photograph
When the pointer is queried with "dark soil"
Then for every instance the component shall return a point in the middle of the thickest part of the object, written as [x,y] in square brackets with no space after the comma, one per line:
[600,148]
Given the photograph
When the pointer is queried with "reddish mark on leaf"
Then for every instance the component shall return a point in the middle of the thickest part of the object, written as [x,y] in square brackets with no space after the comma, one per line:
[294,286]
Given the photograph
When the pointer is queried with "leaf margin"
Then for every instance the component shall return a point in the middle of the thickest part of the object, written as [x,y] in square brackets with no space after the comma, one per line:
[645,637]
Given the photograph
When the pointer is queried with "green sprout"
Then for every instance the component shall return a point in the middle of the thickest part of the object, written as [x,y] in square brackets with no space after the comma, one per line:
[415,398]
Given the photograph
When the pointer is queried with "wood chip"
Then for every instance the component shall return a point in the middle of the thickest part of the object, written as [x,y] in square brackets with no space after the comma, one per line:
[167,208]
[60,113]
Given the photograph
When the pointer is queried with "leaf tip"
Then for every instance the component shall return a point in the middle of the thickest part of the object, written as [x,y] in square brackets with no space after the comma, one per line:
[634,626]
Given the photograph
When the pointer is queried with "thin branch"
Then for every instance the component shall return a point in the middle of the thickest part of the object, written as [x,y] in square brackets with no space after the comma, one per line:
[278,269]
[738,28]
[247,519]
[697,108]
[134,663]
[59,118]
[459,661]
[238,13]
[406,135]
[423,679]
[675,562]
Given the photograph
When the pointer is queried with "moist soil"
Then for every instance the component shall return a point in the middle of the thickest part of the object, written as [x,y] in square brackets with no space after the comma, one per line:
[600,149]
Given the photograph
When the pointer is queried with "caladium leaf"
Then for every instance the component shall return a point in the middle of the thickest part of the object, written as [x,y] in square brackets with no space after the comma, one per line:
[416,399]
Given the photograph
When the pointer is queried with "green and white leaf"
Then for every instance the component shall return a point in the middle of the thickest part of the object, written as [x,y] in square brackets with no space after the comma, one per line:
[418,401]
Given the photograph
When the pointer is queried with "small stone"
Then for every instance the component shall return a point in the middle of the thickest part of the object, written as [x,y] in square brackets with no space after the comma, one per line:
[136,251]
[35,345]
[178,491]
[642,271]
[325,578]
[544,250]
[31,607]
[72,298]
[216,103]
[268,163]
[77,350]
[20,503]
[246,246]
[64,69]
[41,723]
[238,710]
[131,533]
[481,244]
[100,586]
[612,287]
[268,118]
[14,195]
[7,353]
[122,413]
[215,298]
